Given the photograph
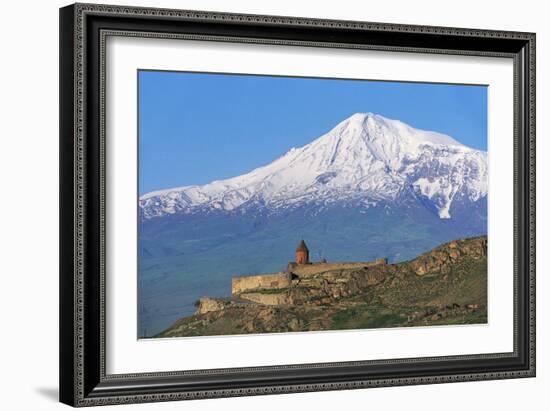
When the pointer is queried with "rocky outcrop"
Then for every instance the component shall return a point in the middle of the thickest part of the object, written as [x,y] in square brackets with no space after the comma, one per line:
[441,258]
[207,305]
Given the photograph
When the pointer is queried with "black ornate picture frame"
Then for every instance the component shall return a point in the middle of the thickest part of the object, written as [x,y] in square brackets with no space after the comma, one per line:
[83,31]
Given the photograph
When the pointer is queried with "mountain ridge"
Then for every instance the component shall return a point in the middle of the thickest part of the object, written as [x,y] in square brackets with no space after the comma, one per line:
[365,157]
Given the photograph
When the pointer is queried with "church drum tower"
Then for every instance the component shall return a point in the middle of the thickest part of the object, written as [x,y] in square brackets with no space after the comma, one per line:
[302,253]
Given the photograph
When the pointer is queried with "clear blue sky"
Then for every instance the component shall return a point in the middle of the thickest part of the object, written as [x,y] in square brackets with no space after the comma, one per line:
[195,128]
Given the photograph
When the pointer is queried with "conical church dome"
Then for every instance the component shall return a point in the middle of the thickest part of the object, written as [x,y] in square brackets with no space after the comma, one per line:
[302,246]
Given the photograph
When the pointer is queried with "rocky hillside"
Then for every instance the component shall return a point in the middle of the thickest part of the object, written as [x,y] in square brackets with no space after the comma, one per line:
[447,285]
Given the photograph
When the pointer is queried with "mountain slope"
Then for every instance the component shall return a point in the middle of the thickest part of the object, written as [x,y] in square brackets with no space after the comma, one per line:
[366,157]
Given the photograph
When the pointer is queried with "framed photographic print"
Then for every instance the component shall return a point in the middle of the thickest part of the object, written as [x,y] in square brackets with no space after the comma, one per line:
[261,204]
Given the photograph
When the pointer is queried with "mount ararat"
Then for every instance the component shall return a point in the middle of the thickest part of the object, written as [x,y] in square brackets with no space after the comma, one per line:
[371,187]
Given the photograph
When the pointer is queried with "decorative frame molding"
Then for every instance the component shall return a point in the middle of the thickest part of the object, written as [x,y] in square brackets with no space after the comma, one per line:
[83,32]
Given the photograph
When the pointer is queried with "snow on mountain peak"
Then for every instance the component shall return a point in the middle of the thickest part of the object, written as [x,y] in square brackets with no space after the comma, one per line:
[366,156]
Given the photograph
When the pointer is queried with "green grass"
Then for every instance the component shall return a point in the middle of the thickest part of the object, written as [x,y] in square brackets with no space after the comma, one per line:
[363,317]
[385,320]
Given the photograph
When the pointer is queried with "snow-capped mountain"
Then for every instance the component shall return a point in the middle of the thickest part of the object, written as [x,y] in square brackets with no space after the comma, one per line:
[369,188]
[366,159]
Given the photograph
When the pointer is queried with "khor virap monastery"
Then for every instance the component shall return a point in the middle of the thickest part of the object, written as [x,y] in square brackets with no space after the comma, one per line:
[300,268]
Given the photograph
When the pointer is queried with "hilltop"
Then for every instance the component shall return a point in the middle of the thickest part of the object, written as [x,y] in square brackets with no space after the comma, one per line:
[447,285]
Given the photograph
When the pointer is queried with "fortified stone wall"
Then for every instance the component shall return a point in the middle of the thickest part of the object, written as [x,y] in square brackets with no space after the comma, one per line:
[317,268]
[259,282]
[280,280]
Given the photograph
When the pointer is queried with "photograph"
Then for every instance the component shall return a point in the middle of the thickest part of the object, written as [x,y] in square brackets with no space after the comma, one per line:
[277,204]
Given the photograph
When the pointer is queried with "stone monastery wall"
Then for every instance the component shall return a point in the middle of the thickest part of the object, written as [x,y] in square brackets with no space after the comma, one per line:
[259,282]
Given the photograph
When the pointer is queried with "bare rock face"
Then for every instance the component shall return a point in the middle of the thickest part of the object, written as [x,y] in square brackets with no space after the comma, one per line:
[439,259]
[207,305]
